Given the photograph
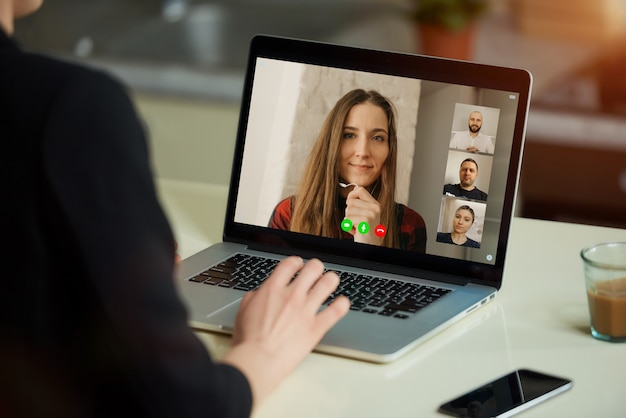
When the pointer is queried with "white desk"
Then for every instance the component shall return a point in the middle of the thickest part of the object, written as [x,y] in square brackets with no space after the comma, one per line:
[539,320]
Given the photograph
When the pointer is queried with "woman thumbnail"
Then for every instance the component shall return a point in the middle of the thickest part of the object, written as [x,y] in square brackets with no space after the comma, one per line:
[462,222]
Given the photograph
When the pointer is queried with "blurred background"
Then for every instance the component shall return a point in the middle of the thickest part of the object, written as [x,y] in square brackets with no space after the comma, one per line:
[184,61]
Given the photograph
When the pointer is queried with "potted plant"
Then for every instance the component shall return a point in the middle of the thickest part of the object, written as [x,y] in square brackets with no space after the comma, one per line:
[447,27]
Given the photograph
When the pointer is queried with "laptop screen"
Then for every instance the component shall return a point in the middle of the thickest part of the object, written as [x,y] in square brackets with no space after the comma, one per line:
[395,159]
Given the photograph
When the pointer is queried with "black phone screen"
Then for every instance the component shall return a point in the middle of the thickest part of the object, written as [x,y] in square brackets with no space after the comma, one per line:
[507,395]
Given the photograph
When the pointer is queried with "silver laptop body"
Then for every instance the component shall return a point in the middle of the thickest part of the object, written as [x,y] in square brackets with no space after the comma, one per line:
[289,87]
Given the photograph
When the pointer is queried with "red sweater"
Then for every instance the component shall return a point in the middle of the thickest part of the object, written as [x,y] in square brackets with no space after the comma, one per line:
[412,228]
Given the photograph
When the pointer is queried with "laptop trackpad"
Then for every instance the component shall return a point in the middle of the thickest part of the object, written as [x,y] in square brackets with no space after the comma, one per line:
[225,317]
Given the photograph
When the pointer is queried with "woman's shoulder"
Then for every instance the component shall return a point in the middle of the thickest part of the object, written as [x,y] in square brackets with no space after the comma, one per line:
[64,72]
[445,237]
[283,208]
[471,243]
[91,85]
[281,215]
[406,215]
[58,84]
[285,203]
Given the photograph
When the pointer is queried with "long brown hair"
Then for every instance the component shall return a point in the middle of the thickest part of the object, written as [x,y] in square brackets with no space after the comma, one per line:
[315,204]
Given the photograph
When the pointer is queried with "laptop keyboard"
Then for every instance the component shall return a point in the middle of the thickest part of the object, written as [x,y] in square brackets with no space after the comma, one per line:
[367,293]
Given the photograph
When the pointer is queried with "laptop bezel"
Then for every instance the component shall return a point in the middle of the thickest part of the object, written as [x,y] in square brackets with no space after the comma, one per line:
[396,64]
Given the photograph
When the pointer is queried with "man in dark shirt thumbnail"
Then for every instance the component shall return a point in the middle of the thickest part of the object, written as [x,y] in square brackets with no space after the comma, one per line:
[465,187]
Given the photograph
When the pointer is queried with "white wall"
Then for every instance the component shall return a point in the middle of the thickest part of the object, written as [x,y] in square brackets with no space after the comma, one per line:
[266,155]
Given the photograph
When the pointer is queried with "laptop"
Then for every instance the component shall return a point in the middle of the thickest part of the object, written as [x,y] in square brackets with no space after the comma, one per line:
[437,255]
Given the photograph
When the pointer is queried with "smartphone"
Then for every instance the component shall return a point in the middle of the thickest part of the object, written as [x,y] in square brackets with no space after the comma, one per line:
[507,395]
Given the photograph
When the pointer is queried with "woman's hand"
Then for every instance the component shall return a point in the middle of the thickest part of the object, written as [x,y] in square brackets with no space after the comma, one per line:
[362,207]
[280,323]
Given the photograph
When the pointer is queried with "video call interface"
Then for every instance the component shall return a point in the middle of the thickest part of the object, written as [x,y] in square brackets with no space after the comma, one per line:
[453,149]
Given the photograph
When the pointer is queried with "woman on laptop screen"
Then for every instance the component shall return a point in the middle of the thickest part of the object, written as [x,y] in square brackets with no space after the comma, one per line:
[347,190]
[463,220]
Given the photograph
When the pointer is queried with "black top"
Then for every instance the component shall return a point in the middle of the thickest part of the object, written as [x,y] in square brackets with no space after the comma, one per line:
[90,321]
[446,238]
[458,191]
